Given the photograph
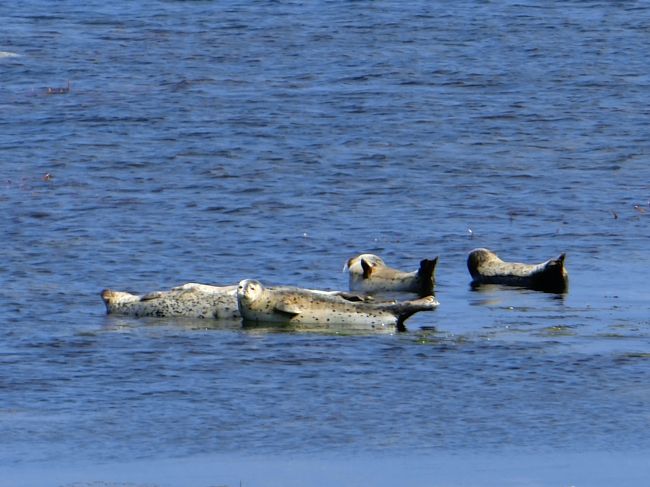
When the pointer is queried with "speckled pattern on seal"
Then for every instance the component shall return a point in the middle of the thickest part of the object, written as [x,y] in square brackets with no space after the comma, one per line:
[189,300]
[310,308]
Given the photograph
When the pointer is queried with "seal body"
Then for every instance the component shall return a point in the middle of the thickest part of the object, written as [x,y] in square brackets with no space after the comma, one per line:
[316,309]
[486,267]
[191,300]
[369,273]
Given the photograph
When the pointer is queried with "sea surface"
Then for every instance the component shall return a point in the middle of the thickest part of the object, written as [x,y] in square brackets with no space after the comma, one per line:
[213,141]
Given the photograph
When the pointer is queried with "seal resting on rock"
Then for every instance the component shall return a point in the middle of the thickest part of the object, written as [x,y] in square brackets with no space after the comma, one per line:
[314,309]
[191,300]
[487,268]
[369,273]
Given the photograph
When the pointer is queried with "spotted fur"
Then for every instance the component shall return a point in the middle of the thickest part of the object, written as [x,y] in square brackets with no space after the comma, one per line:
[190,300]
[309,308]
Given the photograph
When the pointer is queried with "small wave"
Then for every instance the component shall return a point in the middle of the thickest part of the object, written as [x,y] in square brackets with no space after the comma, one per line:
[4,54]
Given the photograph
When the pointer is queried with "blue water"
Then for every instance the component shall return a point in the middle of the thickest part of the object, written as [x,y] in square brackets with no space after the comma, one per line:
[215,141]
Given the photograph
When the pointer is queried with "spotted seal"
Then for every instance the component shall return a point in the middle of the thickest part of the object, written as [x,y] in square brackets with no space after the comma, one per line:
[192,300]
[486,267]
[369,273]
[309,308]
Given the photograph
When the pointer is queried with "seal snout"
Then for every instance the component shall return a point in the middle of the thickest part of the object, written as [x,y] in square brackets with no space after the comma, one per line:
[249,289]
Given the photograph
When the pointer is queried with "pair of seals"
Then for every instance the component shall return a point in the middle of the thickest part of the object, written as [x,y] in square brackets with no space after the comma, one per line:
[191,300]
[486,267]
[369,273]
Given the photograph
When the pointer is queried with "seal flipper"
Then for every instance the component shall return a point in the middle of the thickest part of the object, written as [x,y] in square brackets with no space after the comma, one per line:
[426,275]
[151,295]
[554,278]
[287,308]
[407,309]
[400,326]
[355,298]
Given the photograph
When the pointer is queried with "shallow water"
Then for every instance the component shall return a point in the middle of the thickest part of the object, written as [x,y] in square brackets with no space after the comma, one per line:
[212,142]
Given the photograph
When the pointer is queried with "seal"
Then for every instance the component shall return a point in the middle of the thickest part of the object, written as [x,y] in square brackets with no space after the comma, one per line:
[316,309]
[486,267]
[191,300]
[369,273]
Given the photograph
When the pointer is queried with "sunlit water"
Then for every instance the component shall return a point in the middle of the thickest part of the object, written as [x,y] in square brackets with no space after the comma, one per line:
[212,142]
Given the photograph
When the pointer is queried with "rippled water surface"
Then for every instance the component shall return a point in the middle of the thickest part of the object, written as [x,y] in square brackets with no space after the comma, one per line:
[215,141]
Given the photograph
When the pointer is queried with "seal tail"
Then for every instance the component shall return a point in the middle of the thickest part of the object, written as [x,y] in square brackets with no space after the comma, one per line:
[427,277]
[406,309]
[554,278]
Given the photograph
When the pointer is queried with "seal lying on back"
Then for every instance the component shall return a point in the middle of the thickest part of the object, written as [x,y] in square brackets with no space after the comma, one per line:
[191,300]
[304,307]
[486,268]
[369,273]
